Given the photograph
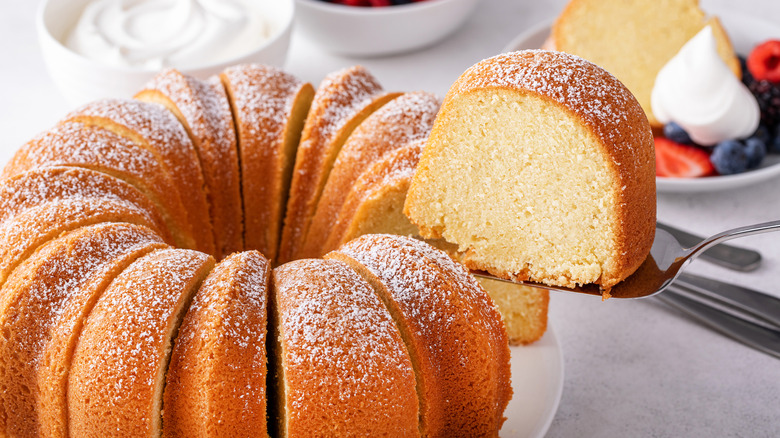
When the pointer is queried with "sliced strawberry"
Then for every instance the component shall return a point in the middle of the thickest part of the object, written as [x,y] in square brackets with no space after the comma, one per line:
[381,3]
[677,160]
[764,61]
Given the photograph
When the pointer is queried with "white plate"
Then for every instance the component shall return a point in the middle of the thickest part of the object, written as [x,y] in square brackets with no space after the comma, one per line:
[537,381]
[745,32]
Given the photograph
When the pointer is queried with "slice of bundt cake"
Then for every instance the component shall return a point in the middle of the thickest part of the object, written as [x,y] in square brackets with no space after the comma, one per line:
[375,202]
[523,308]
[456,340]
[154,128]
[269,108]
[340,367]
[215,384]
[203,109]
[342,101]
[39,205]
[540,167]
[116,380]
[634,39]
[92,147]
[41,309]
[402,120]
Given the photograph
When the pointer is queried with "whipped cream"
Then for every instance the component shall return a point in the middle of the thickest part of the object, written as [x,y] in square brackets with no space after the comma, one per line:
[153,34]
[697,90]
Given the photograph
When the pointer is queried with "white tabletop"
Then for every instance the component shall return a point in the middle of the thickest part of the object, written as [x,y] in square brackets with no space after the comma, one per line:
[632,368]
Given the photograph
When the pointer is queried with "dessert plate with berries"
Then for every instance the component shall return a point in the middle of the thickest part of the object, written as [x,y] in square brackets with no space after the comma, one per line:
[682,165]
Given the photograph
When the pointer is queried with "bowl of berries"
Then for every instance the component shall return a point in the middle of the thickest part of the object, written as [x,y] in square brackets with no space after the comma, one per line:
[379,27]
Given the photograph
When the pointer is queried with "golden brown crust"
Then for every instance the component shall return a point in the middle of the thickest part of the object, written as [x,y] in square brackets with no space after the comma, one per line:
[203,109]
[117,375]
[402,120]
[342,101]
[215,386]
[608,110]
[387,179]
[327,314]
[269,107]
[452,329]
[92,147]
[41,308]
[153,127]
[39,205]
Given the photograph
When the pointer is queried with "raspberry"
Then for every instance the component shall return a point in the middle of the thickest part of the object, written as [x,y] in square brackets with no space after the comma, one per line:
[764,61]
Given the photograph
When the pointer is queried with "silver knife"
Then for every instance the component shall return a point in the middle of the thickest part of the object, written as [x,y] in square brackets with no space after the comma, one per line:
[760,305]
[760,337]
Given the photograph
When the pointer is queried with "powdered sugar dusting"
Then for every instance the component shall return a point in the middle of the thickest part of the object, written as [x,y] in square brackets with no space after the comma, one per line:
[405,119]
[262,99]
[122,354]
[596,96]
[340,96]
[457,337]
[343,355]
[40,290]
[220,353]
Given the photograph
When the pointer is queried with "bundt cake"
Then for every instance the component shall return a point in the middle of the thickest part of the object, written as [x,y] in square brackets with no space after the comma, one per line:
[117,376]
[117,321]
[567,196]
[203,109]
[462,373]
[156,129]
[328,322]
[269,108]
[634,39]
[74,144]
[41,309]
[375,202]
[402,120]
[38,205]
[342,101]
[216,381]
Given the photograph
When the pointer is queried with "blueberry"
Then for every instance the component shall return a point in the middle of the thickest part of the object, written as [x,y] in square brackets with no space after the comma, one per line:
[729,157]
[755,149]
[676,133]
[763,133]
[400,2]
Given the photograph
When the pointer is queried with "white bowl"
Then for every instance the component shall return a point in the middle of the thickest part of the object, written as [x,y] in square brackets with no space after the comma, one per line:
[366,31]
[83,80]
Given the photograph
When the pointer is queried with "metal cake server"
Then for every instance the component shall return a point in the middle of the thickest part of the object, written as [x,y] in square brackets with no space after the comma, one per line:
[663,265]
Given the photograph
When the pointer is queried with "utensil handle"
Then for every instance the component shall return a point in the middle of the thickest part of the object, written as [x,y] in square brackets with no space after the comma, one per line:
[758,304]
[749,230]
[761,338]
[728,256]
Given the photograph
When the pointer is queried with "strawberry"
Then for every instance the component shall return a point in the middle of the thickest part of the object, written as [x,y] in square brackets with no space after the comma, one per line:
[764,61]
[680,161]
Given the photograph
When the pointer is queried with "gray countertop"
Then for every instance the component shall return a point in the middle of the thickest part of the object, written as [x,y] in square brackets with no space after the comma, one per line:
[632,368]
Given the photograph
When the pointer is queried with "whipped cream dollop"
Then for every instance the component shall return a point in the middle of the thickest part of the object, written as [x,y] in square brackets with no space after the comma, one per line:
[154,34]
[698,91]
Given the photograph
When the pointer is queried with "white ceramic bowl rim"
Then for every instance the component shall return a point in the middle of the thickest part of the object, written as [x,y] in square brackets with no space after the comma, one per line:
[378,10]
[279,32]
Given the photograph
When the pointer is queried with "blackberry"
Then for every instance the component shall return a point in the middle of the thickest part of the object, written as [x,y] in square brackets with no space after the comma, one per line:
[747,77]
[768,96]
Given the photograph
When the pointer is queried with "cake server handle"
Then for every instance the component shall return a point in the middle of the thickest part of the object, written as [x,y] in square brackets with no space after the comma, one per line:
[728,256]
